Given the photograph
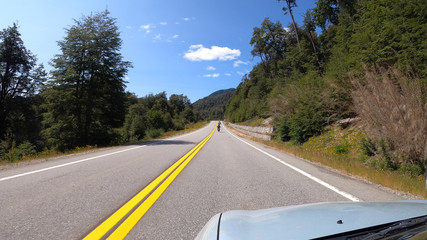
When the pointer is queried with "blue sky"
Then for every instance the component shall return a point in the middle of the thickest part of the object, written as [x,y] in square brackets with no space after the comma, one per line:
[191,47]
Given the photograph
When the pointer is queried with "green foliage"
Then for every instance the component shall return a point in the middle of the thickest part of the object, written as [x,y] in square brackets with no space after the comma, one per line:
[306,122]
[306,84]
[307,106]
[153,114]
[391,32]
[341,149]
[283,128]
[20,80]
[135,123]
[267,41]
[368,147]
[412,170]
[154,133]
[212,107]
[16,153]
[85,99]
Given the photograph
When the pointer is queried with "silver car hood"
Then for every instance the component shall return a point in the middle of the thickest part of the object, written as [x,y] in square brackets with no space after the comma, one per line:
[308,221]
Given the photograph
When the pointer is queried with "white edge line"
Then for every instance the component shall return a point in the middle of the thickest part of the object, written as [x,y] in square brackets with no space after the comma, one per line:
[327,185]
[67,164]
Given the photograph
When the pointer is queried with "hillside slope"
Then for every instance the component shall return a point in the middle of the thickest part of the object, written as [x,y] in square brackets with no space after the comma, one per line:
[368,61]
[213,106]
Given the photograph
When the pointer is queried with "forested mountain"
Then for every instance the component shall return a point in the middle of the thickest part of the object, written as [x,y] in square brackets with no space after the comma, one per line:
[213,106]
[367,58]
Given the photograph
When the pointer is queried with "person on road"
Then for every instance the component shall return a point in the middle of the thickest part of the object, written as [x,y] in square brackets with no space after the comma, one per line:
[219,125]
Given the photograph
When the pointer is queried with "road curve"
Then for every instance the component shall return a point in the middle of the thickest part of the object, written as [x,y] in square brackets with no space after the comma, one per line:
[68,197]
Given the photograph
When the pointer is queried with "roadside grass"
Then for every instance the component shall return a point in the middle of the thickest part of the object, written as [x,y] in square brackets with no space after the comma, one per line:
[341,150]
[48,154]
[189,128]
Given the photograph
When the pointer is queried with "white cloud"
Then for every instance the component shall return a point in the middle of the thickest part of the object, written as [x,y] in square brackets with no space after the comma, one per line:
[157,37]
[200,53]
[239,62]
[186,19]
[146,27]
[211,68]
[240,73]
[163,23]
[175,36]
[129,27]
[215,75]
[227,74]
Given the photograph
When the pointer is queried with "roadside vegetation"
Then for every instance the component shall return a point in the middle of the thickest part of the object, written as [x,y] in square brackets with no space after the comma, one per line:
[81,103]
[23,154]
[351,60]
[342,150]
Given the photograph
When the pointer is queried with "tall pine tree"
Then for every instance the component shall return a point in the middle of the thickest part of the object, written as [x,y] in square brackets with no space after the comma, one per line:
[20,78]
[86,97]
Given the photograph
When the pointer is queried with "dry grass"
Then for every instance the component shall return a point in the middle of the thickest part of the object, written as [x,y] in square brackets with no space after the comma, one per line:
[391,105]
[46,155]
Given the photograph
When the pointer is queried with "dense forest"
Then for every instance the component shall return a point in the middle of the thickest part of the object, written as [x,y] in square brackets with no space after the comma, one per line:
[349,58]
[212,107]
[83,100]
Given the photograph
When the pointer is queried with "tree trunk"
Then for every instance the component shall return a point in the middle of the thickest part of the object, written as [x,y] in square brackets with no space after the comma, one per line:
[314,48]
[294,24]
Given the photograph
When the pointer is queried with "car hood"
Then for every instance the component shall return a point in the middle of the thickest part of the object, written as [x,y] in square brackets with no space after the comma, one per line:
[308,221]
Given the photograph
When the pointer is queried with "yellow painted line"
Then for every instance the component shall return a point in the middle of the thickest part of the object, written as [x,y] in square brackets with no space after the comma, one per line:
[109,223]
[122,231]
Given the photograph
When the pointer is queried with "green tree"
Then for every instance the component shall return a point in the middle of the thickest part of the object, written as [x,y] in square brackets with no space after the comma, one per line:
[310,28]
[289,5]
[20,78]
[85,99]
[328,12]
[136,123]
[391,32]
[268,41]
[178,103]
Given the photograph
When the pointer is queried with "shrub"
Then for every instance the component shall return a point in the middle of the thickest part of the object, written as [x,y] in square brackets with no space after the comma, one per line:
[178,124]
[412,170]
[307,121]
[16,153]
[283,128]
[307,105]
[341,149]
[154,133]
[368,147]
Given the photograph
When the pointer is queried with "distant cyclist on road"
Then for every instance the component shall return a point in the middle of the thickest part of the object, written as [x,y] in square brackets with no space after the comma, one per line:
[219,125]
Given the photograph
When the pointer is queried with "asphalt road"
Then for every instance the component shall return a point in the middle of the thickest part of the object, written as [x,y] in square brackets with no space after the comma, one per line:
[68,197]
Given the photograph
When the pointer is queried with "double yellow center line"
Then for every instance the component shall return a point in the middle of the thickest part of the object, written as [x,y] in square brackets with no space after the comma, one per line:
[165,179]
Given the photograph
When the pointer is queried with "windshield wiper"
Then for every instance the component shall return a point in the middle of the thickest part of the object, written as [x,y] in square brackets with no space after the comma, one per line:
[397,228]
[389,230]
